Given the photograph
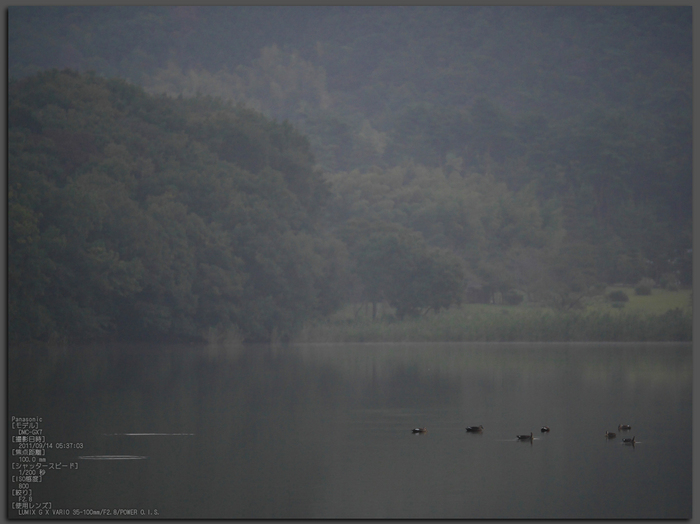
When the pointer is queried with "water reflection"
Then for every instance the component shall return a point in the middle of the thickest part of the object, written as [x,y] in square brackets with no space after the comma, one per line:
[325,431]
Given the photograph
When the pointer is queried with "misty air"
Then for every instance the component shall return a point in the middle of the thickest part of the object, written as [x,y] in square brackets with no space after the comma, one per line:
[349,261]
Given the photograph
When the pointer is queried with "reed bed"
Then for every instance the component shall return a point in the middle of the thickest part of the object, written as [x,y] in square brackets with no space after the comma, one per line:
[474,323]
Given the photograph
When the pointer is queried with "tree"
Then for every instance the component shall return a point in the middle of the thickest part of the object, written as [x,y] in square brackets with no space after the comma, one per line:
[572,279]
[174,218]
[396,265]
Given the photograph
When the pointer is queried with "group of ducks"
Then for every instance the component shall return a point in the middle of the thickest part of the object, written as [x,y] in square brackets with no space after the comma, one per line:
[545,429]
[622,427]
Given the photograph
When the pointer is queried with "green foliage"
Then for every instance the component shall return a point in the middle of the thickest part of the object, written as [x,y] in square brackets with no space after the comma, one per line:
[670,281]
[482,323]
[504,238]
[618,296]
[512,298]
[618,305]
[464,212]
[571,279]
[168,219]
[395,265]
[533,145]
[644,287]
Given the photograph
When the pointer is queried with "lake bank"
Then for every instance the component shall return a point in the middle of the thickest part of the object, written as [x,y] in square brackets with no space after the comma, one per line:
[479,322]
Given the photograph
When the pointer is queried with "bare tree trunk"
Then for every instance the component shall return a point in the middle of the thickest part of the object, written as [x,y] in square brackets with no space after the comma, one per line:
[357,311]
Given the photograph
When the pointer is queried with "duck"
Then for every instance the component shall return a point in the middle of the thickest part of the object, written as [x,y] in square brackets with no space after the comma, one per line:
[610,435]
[525,437]
[629,440]
[624,427]
[545,429]
[419,430]
[475,429]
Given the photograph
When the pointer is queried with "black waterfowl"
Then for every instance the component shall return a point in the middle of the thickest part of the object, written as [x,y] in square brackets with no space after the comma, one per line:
[419,430]
[624,427]
[525,437]
[475,429]
[610,435]
[545,429]
[629,440]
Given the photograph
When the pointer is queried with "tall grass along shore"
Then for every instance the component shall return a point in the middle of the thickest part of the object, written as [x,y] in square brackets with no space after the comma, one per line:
[641,322]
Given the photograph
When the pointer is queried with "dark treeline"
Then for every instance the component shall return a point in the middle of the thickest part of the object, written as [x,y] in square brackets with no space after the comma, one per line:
[533,153]
[140,216]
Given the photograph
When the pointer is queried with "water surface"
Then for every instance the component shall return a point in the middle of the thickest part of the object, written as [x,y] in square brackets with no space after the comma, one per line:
[324,431]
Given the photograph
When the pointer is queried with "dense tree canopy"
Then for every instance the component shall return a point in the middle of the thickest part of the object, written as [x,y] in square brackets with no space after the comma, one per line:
[395,265]
[139,216]
[280,161]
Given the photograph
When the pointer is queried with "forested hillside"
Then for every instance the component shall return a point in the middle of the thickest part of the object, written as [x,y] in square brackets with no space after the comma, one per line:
[420,156]
[140,216]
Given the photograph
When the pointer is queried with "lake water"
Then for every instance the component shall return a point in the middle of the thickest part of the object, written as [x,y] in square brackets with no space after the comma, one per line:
[324,431]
